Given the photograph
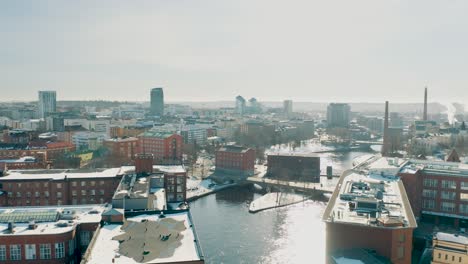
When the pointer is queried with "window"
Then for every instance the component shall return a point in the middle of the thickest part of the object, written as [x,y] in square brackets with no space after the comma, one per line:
[179,188]
[430,183]
[449,184]
[85,238]
[71,247]
[37,194]
[59,202]
[73,193]
[30,250]
[18,194]
[101,182]
[401,252]
[28,194]
[180,180]
[93,183]
[83,192]
[463,209]
[46,194]
[83,200]
[15,252]
[59,186]
[464,185]
[83,184]
[428,204]
[429,193]
[59,194]
[74,184]
[401,238]
[46,184]
[448,195]
[45,251]
[464,196]
[60,250]
[101,192]
[92,192]
[2,252]
[448,207]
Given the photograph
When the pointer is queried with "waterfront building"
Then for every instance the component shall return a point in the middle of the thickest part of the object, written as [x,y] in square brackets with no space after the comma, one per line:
[235,160]
[297,167]
[438,191]
[449,248]
[338,115]
[47,103]
[369,209]
[53,234]
[166,147]
[157,102]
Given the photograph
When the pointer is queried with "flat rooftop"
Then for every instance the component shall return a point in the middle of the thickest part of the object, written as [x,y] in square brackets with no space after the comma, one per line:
[60,174]
[147,238]
[370,196]
[443,168]
[49,220]
[453,238]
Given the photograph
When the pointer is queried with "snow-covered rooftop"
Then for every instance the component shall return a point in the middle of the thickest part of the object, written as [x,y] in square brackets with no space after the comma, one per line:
[147,239]
[57,174]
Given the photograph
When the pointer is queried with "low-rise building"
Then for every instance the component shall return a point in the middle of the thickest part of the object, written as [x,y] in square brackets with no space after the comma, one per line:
[166,147]
[122,149]
[294,167]
[58,187]
[235,160]
[449,248]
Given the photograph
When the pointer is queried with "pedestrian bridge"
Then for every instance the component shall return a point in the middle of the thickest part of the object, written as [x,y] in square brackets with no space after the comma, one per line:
[296,185]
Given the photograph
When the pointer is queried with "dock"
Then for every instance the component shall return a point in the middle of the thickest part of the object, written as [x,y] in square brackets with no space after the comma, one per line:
[275,200]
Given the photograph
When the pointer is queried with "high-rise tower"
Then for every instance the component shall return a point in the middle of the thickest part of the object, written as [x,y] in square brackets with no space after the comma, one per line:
[157,102]
[386,143]
[425,104]
[47,103]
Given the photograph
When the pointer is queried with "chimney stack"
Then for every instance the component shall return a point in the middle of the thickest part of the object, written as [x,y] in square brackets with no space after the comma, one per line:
[425,104]
[385,145]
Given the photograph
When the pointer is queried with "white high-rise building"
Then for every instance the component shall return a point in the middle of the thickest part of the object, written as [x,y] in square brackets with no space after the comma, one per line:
[47,103]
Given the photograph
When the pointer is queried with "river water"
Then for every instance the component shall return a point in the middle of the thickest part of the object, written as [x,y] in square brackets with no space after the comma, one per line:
[294,234]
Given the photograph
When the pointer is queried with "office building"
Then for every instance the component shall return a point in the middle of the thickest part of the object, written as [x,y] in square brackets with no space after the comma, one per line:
[338,115]
[240,105]
[369,210]
[47,103]
[157,102]
[288,107]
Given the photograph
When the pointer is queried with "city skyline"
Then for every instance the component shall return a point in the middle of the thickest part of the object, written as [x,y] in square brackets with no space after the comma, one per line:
[315,52]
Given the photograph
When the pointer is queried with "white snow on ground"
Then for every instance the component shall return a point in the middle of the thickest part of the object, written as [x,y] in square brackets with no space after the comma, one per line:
[275,199]
[196,187]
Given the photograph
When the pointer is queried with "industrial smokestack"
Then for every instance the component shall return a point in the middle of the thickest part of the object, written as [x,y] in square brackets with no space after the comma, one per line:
[385,145]
[425,104]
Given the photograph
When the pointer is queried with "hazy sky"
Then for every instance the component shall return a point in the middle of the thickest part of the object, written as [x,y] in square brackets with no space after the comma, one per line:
[359,50]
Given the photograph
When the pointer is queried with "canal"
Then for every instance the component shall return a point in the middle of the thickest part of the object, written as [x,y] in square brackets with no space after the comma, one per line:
[295,234]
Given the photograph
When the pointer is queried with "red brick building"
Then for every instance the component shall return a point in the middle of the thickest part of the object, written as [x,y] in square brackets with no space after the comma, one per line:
[175,185]
[48,151]
[165,147]
[122,149]
[56,235]
[58,187]
[235,160]
[438,191]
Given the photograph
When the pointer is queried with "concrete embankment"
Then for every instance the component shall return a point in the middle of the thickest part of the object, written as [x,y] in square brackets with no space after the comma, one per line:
[274,200]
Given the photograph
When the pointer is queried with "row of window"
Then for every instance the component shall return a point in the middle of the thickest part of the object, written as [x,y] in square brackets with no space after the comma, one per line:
[91,200]
[58,185]
[30,252]
[445,206]
[446,184]
[58,194]
[447,257]
[446,195]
